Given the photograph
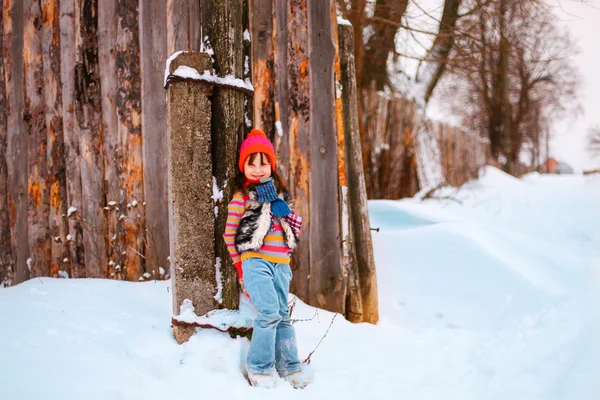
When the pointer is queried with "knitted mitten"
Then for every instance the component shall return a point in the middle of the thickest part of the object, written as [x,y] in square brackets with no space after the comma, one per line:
[267,193]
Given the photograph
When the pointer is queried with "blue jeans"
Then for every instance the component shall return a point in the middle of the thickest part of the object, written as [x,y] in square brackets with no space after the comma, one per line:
[274,338]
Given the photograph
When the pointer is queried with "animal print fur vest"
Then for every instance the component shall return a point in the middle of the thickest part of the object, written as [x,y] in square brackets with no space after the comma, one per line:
[257,221]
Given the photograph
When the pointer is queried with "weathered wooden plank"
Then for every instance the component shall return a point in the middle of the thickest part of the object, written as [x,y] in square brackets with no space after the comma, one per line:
[225,33]
[362,257]
[249,117]
[326,286]
[17,139]
[298,110]
[56,179]
[263,64]
[112,142]
[183,25]
[37,142]
[68,51]
[88,128]
[352,298]
[128,102]
[7,276]
[190,182]
[153,50]
[280,49]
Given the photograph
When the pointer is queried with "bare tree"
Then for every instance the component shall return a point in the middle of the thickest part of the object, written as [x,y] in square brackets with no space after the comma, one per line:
[515,76]
[594,141]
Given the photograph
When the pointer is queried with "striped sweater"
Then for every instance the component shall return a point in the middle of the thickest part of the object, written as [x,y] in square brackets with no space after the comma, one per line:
[273,249]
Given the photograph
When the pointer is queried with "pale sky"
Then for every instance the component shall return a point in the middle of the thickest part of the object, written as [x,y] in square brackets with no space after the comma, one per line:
[583,21]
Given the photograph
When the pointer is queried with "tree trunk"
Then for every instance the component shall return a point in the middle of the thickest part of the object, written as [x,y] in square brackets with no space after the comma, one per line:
[385,24]
[225,33]
[362,265]
[190,182]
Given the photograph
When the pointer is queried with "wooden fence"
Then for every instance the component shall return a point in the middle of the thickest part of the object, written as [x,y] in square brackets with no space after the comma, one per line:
[83,167]
[83,188]
[404,152]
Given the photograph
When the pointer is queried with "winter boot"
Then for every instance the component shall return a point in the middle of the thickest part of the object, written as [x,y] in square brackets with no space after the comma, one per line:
[298,380]
[267,381]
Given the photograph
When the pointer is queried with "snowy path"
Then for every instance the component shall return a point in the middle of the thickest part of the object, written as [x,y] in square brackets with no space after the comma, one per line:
[497,297]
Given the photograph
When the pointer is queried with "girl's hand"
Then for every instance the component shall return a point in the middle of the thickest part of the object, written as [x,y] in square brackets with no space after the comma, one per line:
[241,282]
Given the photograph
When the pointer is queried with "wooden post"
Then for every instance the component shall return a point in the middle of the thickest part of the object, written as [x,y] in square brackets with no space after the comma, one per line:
[222,23]
[362,257]
[190,183]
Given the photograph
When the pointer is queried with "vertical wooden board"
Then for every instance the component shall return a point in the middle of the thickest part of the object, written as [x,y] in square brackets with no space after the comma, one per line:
[249,102]
[280,50]
[128,102]
[68,51]
[37,142]
[153,50]
[326,285]
[112,146]
[298,112]
[183,26]
[263,74]
[362,262]
[88,128]
[394,150]
[225,33]
[50,38]
[7,276]
[349,298]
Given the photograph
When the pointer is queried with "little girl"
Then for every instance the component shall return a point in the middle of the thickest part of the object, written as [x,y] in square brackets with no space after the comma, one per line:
[261,233]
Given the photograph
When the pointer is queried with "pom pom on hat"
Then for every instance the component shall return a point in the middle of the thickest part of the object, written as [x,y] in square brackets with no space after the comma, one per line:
[256,142]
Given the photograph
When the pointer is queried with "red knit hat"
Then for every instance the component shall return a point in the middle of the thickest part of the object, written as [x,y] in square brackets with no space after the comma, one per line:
[256,142]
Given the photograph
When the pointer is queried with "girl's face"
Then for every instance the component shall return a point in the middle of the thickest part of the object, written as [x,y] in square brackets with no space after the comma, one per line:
[257,166]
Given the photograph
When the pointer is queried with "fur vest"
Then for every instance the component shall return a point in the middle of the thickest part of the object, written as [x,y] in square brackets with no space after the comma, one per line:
[257,221]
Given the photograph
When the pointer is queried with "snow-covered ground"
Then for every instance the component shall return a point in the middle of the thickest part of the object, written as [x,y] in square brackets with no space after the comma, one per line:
[492,292]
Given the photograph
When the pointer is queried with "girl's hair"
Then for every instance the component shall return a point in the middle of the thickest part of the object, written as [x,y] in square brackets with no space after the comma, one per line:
[240,179]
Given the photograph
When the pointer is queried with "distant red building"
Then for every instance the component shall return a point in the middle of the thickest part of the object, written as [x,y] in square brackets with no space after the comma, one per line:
[549,166]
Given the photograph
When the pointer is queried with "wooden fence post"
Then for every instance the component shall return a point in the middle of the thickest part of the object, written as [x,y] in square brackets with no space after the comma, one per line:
[362,261]
[190,183]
